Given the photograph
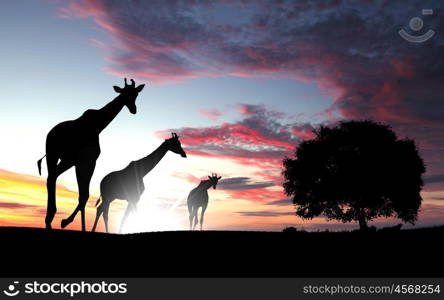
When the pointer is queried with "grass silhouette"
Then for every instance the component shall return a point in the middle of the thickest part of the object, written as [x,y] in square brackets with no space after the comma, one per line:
[40,252]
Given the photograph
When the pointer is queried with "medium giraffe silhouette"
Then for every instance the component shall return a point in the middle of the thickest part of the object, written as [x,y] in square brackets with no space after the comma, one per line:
[127,184]
[76,143]
[198,197]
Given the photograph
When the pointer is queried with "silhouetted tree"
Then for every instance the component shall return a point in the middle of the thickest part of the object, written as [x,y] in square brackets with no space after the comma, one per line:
[356,171]
[289,230]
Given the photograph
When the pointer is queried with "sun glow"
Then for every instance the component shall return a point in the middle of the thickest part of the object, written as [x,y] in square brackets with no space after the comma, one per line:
[162,206]
[153,215]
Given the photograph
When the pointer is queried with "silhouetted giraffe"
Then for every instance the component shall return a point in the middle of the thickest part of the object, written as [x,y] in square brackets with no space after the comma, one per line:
[198,197]
[127,184]
[76,143]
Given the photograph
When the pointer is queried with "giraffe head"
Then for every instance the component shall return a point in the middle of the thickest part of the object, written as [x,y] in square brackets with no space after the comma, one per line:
[174,145]
[213,180]
[129,94]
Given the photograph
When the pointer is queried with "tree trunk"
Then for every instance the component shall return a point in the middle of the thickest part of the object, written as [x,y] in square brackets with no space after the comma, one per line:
[362,223]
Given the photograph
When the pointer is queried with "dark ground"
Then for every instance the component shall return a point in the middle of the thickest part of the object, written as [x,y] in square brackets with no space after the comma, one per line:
[29,252]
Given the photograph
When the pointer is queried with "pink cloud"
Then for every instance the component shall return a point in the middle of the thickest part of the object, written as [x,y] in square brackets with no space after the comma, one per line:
[83,9]
[246,109]
[258,139]
[373,75]
[187,177]
[263,195]
[304,132]
[211,114]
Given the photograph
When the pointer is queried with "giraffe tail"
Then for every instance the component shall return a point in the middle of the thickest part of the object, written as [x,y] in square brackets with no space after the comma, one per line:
[39,164]
[98,200]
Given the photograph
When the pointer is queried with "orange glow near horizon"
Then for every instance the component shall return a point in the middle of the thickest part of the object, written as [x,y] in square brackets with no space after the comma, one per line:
[23,203]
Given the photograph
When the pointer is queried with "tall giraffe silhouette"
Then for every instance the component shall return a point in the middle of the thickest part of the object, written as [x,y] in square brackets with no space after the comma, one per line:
[127,184]
[198,197]
[76,143]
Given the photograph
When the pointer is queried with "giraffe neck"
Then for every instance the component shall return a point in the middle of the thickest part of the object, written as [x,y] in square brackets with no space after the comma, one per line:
[205,185]
[146,164]
[107,113]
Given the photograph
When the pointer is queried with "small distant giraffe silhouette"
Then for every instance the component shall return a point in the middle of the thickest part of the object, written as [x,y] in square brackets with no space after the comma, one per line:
[76,143]
[127,184]
[198,197]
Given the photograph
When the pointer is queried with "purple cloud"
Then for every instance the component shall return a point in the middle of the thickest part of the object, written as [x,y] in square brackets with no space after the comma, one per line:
[351,47]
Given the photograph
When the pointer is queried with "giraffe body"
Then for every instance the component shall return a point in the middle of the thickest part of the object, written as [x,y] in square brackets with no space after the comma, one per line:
[124,184]
[76,143]
[198,198]
[127,184]
[74,140]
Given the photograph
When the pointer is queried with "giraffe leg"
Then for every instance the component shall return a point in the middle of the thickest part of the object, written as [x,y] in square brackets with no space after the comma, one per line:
[127,211]
[54,171]
[82,214]
[99,211]
[195,218]
[67,221]
[51,208]
[202,216]
[84,172]
[190,211]
[105,216]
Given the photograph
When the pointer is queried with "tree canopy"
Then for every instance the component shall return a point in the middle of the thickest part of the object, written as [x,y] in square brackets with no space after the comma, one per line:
[355,171]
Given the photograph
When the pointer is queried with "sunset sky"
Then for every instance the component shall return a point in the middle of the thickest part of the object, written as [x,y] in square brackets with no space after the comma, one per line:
[241,82]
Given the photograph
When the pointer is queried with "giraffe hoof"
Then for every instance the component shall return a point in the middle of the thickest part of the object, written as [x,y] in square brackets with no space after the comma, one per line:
[48,226]
[65,223]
